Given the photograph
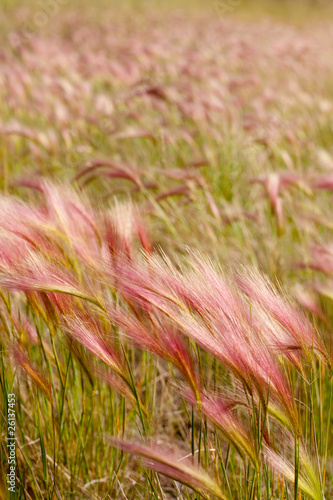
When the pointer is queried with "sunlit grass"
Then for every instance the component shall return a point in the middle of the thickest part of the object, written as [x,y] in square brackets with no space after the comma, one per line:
[155,163]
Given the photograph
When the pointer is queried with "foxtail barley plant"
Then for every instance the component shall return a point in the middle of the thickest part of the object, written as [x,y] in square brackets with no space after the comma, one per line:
[165,253]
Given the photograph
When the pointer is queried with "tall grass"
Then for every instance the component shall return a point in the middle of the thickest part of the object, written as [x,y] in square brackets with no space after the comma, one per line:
[166,307]
[241,356]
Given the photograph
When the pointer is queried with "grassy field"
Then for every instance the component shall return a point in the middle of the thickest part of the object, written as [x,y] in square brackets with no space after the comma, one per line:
[166,250]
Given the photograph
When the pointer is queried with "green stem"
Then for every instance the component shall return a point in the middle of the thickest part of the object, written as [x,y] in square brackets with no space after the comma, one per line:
[192,438]
[296,466]
[133,388]
[327,431]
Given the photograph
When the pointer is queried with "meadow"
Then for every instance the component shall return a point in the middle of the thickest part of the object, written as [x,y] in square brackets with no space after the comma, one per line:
[166,250]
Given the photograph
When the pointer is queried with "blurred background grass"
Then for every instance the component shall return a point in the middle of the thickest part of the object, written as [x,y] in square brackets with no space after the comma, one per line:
[293,10]
[234,161]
